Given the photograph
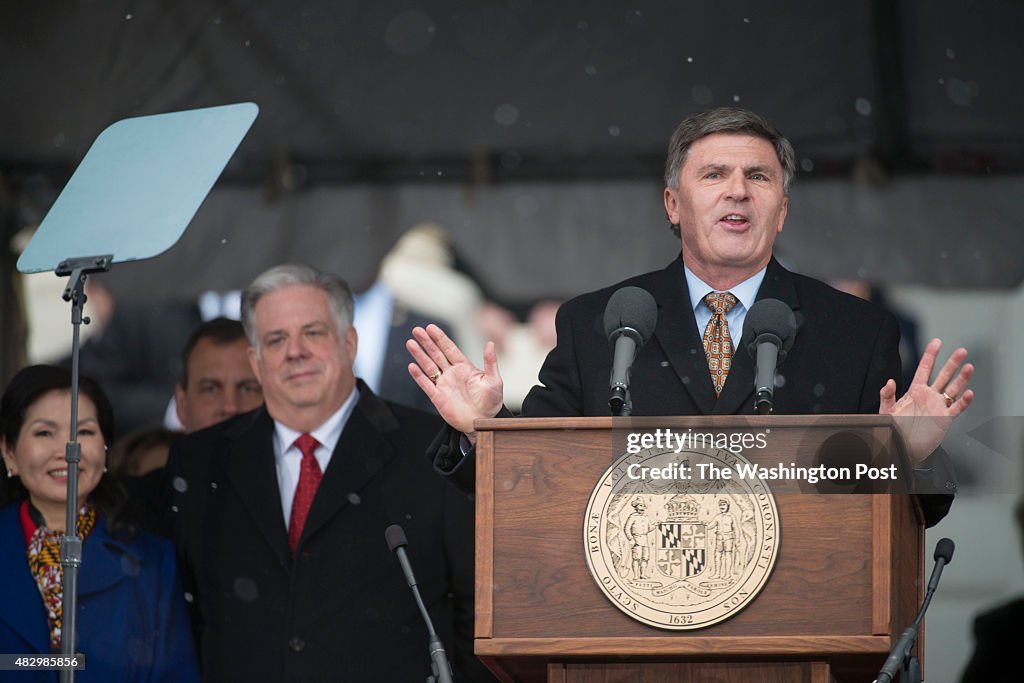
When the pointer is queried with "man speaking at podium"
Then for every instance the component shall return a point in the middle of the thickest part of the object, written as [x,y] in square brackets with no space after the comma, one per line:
[727,179]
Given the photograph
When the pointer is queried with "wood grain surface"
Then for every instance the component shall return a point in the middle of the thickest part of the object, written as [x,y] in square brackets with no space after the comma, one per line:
[847,579]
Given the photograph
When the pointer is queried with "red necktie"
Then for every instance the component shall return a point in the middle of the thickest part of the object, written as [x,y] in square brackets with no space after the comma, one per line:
[309,480]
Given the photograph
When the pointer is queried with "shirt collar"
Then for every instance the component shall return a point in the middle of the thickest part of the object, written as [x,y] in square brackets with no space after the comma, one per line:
[327,434]
[745,292]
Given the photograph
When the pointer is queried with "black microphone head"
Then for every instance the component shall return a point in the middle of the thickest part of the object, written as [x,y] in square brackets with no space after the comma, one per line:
[631,307]
[395,537]
[770,320]
[944,549]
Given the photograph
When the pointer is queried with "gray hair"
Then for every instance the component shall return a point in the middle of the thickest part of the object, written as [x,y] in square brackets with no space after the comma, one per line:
[725,120]
[339,295]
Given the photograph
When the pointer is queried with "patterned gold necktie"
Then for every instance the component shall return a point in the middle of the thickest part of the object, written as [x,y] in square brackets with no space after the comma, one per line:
[717,342]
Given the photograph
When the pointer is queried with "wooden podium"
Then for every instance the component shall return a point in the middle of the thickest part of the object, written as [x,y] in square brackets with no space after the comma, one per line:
[847,581]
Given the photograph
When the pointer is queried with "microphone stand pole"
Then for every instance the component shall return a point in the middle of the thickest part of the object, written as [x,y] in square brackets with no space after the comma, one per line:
[76,269]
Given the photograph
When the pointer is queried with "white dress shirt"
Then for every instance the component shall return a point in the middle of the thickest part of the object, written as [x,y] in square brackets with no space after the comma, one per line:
[288,457]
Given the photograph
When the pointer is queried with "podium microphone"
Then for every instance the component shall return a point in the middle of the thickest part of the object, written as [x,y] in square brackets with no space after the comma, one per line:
[439,660]
[900,657]
[772,326]
[629,320]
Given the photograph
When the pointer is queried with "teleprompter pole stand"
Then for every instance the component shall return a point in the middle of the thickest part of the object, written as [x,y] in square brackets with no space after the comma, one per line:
[76,269]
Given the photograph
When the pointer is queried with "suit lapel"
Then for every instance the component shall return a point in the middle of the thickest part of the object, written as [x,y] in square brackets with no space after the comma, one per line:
[737,395]
[677,334]
[22,606]
[249,465]
[361,452]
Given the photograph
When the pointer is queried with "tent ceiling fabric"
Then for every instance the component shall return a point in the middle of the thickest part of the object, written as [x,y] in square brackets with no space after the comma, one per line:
[492,96]
[357,81]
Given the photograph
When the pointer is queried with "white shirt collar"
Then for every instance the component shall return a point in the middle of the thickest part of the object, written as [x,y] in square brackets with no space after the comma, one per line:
[327,434]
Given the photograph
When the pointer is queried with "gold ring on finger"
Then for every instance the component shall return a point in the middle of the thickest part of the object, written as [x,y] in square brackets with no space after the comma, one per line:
[949,399]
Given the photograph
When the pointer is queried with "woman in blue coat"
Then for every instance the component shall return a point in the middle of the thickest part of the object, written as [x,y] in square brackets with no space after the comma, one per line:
[132,621]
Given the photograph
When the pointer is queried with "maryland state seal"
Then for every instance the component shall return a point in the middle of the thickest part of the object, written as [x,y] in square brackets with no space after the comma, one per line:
[675,548]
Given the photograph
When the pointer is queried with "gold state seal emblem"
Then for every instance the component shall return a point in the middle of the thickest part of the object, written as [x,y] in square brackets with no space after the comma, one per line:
[674,544]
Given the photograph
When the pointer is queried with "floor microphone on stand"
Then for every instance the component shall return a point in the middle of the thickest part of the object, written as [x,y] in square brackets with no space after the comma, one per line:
[900,658]
[397,541]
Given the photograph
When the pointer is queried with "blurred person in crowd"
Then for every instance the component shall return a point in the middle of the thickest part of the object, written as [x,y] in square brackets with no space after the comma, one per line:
[132,620]
[426,277]
[134,355]
[523,345]
[424,273]
[216,381]
[910,342]
[141,451]
[997,635]
[279,514]
[383,323]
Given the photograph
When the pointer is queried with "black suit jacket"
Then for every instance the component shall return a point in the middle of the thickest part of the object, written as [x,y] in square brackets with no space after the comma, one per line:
[340,610]
[845,350]
[996,658]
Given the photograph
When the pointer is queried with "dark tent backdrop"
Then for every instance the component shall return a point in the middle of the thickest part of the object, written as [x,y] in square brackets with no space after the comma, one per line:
[535,131]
